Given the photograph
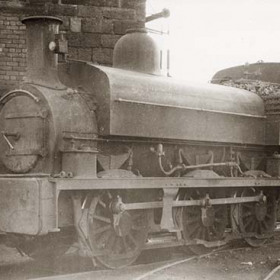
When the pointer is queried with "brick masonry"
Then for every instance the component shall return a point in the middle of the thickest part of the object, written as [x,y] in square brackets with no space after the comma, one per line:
[92,28]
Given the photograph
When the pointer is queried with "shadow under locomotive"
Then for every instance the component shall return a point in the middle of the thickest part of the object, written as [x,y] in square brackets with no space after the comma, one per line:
[123,159]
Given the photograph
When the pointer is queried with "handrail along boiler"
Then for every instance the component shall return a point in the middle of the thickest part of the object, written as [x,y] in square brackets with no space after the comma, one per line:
[117,156]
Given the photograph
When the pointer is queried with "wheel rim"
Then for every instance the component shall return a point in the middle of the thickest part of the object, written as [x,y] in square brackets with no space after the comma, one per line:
[206,224]
[258,218]
[113,245]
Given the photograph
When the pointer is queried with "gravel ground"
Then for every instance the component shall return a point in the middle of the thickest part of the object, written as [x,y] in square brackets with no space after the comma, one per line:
[246,263]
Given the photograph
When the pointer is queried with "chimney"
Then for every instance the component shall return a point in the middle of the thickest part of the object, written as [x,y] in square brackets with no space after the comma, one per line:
[43,46]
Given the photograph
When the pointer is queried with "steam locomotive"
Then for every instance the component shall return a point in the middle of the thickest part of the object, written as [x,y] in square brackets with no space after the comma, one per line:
[118,157]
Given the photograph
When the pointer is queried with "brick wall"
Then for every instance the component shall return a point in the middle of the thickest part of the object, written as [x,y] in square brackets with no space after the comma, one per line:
[12,49]
[92,28]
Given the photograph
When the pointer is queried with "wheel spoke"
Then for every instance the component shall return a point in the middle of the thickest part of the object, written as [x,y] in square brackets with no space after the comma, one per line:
[248,206]
[207,234]
[219,220]
[109,195]
[203,234]
[262,227]
[111,242]
[253,227]
[102,219]
[248,223]
[137,227]
[214,230]
[248,214]
[131,238]
[268,216]
[193,210]
[101,229]
[218,209]
[104,238]
[137,216]
[192,230]
[258,228]
[117,245]
[192,220]
[199,233]
[103,204]
[125,245]
[265,225]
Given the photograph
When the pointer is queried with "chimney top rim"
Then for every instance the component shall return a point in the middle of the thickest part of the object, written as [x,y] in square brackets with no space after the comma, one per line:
[43,18]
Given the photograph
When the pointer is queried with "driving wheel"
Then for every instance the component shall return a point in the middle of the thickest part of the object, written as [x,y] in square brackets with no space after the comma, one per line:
[116,236]
[257,218]
[203,223]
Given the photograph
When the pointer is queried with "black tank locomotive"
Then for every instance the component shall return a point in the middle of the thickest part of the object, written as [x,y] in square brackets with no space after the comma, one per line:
[116,156]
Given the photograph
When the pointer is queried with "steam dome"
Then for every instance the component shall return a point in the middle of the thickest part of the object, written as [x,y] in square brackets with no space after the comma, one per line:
[137,51]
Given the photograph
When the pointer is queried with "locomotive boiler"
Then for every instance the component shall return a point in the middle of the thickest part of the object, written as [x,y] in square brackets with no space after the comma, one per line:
[114,157]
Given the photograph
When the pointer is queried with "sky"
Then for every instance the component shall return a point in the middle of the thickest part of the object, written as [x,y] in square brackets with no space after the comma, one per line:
[206,36]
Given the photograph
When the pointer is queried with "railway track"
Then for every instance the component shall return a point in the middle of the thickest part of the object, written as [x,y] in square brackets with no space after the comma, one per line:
[179,265]
[152,264]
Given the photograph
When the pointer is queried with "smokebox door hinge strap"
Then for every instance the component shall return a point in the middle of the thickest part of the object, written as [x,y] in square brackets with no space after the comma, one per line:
[18,92]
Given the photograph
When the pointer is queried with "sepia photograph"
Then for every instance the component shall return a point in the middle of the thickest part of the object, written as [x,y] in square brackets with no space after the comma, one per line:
[139,139]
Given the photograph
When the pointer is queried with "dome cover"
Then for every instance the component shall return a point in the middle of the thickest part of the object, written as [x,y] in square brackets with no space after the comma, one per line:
[137,51]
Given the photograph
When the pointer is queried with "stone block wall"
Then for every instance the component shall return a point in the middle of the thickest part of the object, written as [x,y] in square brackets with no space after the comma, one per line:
[92,28]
